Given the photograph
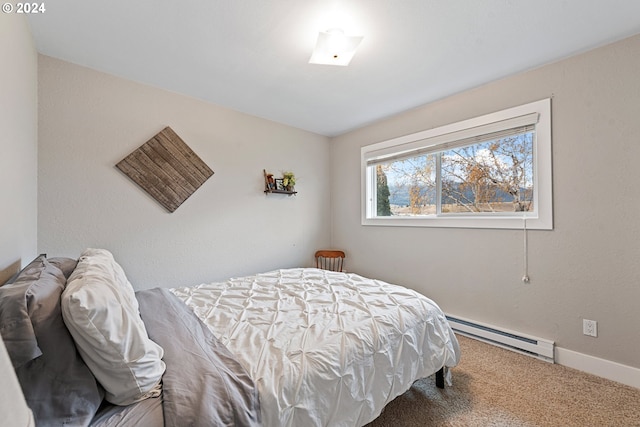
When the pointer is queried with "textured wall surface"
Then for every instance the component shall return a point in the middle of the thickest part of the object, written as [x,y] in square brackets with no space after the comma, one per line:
[89,121]
[587,267]
[18,144]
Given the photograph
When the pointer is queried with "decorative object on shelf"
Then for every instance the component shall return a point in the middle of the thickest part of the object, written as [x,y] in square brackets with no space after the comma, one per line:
[289,180]
[166,168]
[282,185]
[270,183]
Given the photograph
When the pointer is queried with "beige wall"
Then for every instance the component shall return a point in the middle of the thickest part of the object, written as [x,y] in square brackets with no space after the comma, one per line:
[18,144]
[587,267]
[89,121]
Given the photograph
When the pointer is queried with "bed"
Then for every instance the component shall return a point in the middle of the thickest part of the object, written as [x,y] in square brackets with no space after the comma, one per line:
[290,347]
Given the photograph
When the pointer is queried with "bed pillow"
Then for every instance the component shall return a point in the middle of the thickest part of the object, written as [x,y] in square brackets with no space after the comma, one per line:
[15,324]
[66,265]
[57,384]
[101,312]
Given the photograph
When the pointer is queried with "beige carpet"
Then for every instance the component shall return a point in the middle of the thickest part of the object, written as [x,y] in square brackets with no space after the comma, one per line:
[497,387]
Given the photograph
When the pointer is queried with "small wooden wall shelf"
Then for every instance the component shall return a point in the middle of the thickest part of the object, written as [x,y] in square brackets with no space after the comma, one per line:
[281,192]
[270,185]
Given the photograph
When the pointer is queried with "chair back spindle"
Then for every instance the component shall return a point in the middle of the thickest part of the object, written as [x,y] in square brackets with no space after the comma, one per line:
[330,260]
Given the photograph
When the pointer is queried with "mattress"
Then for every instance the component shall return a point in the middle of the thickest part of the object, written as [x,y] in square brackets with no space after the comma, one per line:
[325,348]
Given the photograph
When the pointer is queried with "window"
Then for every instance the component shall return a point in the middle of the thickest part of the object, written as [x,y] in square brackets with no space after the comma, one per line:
[492,171]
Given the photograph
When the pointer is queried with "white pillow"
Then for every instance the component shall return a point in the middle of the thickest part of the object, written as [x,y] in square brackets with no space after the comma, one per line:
[100,310]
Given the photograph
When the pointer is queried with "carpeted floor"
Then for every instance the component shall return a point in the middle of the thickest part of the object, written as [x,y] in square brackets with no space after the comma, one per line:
[497,387]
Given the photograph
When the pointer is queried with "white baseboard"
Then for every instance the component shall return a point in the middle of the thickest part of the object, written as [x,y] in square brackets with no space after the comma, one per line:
[613,371]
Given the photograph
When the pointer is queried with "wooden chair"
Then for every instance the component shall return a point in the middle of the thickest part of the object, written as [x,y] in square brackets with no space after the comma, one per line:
[330,260]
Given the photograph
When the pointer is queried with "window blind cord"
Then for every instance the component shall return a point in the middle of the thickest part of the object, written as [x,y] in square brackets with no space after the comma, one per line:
[525,277]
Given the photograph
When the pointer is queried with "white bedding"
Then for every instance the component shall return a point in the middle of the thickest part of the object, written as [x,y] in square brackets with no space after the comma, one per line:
[325,348]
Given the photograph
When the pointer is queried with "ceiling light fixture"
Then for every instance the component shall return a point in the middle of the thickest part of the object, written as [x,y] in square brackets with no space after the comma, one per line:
[334,48]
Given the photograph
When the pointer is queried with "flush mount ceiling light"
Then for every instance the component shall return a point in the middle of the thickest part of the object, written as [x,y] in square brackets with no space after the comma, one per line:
[334,48]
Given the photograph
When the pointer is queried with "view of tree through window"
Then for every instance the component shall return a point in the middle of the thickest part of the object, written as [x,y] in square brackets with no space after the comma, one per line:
[486,177]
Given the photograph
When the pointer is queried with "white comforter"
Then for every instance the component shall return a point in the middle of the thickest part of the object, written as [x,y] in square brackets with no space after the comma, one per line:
[325,348]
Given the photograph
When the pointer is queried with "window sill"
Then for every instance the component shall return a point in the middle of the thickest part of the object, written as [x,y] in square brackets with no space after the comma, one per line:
[484,221]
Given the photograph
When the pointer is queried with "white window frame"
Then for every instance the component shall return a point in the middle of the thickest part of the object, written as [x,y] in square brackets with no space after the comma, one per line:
[437,139]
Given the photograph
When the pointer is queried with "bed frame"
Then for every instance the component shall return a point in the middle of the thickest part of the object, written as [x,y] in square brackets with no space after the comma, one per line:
[440,378]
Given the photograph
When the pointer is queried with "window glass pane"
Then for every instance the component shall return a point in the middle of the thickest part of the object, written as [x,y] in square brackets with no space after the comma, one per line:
[490,171]
[493,176]
[406,187]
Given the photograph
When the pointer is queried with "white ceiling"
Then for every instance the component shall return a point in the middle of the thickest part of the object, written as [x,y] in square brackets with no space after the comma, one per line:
[252,55]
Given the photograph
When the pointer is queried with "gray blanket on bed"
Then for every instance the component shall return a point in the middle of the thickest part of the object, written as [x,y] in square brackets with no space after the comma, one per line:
[203,385]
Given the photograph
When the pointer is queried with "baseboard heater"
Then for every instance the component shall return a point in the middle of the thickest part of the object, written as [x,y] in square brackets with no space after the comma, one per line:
[525,344]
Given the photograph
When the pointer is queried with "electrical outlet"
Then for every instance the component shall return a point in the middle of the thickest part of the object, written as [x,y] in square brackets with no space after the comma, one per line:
[590,327]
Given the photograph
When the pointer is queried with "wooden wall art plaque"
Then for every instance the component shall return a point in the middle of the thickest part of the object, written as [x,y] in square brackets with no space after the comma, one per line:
[166,168]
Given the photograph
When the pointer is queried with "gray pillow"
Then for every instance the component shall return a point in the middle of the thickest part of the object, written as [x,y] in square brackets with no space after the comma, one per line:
[66,265]
[15,325]
[57,384]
